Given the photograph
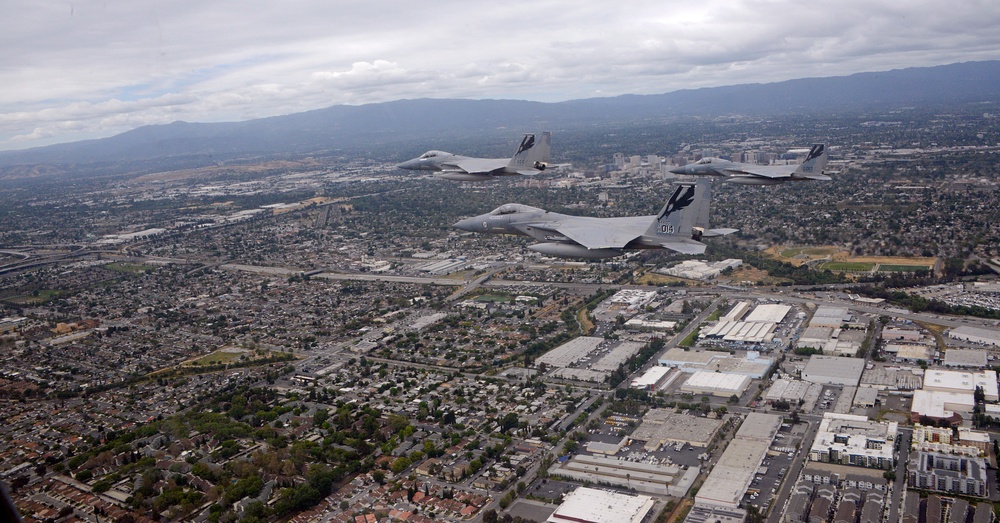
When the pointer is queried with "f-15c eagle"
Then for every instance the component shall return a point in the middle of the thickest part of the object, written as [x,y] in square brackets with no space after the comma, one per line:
[751,174]
[679,226]
[531,157]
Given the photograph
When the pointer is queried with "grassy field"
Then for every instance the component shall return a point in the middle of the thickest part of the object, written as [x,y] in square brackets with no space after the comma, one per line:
[130,268]
[888,267]
[493,298]
[585,324]
[838,259]
[219,358]
[847,266]
[41,296]
[808,251]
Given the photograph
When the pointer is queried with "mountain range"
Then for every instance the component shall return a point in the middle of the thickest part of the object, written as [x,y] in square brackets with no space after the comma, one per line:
[368,127]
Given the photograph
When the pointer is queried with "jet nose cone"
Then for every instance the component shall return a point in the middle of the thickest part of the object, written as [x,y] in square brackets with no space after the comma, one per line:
[468,224]
[409,164]
[679,170]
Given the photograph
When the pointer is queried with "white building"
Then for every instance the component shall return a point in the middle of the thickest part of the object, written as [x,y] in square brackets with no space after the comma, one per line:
[833,370]
[965,358]
[644,323]
[770,313]
[654,379]
[631,299]
[716,383]
[752,364]
[789,390]
[958,381]
[827,316]
[855,440]
[731,476]
[976,335]
[590,505]
[937,405]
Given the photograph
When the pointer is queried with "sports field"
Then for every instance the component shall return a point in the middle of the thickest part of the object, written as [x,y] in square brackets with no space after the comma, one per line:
[838,259]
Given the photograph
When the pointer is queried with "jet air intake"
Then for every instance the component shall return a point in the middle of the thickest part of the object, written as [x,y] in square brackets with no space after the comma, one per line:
[566,250]
[460,176]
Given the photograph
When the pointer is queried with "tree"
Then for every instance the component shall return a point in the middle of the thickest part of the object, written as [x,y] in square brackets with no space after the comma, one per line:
[508,422]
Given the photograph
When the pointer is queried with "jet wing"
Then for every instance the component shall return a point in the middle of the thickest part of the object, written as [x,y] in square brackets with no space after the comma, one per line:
[606,233]
[592,238]
[476,165]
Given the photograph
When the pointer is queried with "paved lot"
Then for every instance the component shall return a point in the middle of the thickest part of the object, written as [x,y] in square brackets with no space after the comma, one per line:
[532,510]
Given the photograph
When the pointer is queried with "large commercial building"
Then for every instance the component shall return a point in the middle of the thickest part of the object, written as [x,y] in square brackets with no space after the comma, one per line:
[589,505]
[757,327]
[957,381]
[791,390]
[976,335]
[700,270]
[828,316]
[630,299]
[855,440]
[570,352]
[969,358]
[655,378]
[949,396]
[720,384]
[752,364]
[833,370]
[832,341]
[665,427]
[732,475]
[950,407]
[659,479]
[770,313]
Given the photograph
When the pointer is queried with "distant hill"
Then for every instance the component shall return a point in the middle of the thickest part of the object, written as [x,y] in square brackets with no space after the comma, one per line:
[370,127]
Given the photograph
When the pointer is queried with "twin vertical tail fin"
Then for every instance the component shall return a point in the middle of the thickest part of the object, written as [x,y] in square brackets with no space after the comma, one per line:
[686,209]
[815,162]
[532,155]
[685,218]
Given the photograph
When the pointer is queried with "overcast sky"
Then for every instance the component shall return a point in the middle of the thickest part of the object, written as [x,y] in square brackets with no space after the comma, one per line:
[76,70]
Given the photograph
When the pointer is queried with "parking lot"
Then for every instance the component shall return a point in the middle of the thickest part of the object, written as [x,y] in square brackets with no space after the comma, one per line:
[775,467]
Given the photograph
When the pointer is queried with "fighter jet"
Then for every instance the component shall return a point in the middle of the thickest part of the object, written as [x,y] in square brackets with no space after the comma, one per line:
[751,174]
[531,157]
[680,226]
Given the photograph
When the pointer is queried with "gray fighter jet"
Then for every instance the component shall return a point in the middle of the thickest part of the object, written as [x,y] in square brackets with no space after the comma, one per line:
[531,157]
[680,226]
[750,174]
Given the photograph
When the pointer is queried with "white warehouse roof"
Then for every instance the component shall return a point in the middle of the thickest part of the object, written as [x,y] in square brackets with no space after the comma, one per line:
[770,313]
[590,505]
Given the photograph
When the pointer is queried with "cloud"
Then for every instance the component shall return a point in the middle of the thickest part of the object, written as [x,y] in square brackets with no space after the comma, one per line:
[85,70]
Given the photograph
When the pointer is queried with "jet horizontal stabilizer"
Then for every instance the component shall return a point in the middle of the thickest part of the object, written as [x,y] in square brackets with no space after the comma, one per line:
[713,233]
[819,177]
[688,247]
